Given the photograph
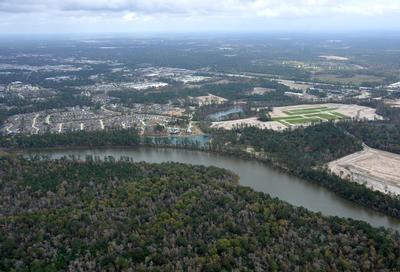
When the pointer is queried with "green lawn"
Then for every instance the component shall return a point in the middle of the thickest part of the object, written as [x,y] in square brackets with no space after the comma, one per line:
[305,110]
[309,110]
[326,116]
[339,114]
[304,121]
[284,122]
[309,115]
[286,118]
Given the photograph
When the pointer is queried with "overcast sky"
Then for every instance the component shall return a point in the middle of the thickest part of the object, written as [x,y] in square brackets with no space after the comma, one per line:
[76,16]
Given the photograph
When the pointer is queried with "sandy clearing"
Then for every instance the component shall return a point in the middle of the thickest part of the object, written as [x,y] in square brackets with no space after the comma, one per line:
[47,119]
[379,170]
[35,129]
[60,127]
[251,122]
[332,57]
[208,99]
[303,86]
[395,103]
[394,85]
[8,128]
[260,91]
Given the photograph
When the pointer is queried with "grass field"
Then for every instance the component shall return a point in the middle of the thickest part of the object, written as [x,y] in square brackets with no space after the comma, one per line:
[285,118]
[325,116]
[305,111]
[309,116]
[304,121]
[338,114]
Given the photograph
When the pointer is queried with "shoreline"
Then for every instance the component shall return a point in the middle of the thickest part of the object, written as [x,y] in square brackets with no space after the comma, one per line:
[240,154]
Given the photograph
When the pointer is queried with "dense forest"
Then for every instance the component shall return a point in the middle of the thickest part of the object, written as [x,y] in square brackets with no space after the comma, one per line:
[234,90]
[391,113]
[381,135]
[123,216]
[295,149]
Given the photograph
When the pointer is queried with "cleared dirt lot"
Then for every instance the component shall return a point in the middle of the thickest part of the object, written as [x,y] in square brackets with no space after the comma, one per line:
[303,86]
[251,122]
[395,103]
[377,169]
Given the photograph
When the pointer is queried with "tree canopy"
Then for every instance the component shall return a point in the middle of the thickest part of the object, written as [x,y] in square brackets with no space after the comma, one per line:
[122,216]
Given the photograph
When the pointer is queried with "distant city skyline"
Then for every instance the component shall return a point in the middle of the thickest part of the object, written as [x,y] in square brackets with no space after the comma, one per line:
[150,16]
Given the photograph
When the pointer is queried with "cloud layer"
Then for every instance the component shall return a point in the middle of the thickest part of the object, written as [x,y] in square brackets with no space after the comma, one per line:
[164,15]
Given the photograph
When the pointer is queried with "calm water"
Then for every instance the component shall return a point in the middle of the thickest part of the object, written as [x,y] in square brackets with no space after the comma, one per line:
[253,174]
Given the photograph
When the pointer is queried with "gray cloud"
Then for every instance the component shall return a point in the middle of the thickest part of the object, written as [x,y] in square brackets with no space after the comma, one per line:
[192,12]
[206,7]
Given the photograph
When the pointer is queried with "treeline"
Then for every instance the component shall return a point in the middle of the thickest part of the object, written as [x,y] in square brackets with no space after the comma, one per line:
[295,149]
[121,216]
[118,137]
[285,71]
[3,116]
[390,113]
[381,135]
[355,192]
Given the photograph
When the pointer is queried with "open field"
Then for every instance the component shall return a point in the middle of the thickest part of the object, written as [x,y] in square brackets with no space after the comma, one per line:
[304,115]
[376,169]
